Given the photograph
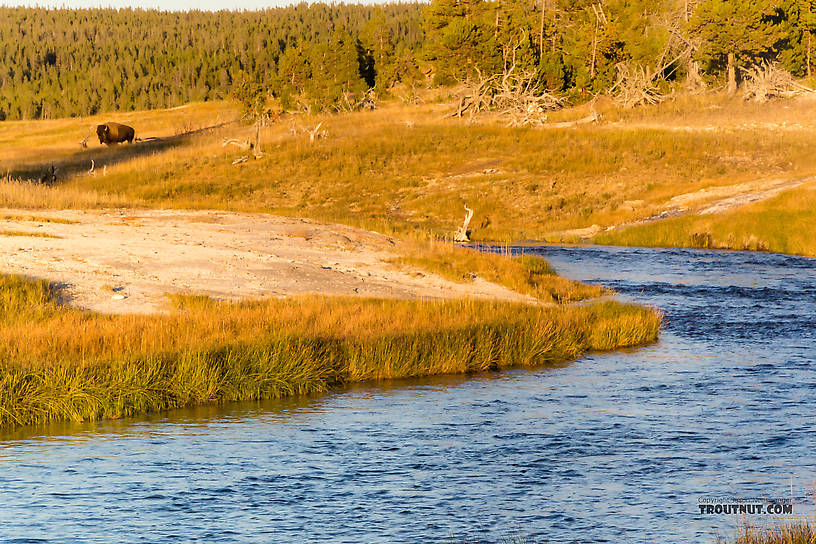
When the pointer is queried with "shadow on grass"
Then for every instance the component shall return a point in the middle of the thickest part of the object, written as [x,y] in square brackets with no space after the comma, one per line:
[54,170]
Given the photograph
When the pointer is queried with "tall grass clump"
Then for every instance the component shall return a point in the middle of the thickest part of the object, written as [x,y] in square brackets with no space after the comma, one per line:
[57,363]
[782,533]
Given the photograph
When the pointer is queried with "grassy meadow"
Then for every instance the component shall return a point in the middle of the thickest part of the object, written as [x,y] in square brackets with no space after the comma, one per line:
[60,363]
[410,170]
[528,275]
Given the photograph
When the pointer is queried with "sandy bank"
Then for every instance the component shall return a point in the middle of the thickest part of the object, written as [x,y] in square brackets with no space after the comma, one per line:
[126,261]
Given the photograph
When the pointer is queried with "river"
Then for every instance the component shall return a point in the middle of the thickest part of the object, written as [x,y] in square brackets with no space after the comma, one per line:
[610,448]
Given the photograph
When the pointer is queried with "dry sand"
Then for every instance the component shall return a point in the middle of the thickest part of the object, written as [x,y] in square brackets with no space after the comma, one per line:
[126,261]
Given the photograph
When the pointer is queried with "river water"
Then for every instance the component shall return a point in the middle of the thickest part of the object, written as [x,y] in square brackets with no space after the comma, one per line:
[611,448]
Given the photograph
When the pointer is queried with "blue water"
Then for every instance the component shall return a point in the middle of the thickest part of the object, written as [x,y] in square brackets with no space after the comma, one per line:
[611,448]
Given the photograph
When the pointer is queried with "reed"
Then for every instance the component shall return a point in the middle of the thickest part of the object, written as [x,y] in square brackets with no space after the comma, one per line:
[64,364]
[799,532]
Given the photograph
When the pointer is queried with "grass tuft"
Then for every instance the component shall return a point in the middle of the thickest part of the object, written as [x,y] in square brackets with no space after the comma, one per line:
[782,533]
[37,219]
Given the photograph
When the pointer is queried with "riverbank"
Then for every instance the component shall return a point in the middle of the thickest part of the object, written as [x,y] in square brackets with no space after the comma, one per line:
[60,363]
[783,223]
[633,424]
[128,260]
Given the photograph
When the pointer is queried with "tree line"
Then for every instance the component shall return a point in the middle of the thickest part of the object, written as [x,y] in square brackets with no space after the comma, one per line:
[66,62]
[57,63]
[577,46]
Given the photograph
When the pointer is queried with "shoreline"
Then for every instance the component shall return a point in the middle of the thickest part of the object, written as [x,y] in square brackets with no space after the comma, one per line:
[534,243]
[209,352]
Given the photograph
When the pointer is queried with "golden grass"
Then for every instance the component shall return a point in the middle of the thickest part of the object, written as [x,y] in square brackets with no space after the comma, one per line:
[28,149]
[783,224]
[36,219]
[397,170]
[23,140]
[716,110]
[59,363]
[406,169]
[33,196]
[782,533]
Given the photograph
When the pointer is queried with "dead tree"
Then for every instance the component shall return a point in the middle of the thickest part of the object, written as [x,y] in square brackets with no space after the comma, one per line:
[635,86]
[769,80]
[262,120]
[83,143]
[256,151]
[600,20]
[512,94]
[316,133]
[368,102]
[351,102]
[410,96]
[462,233]
[694,81]
[593,117]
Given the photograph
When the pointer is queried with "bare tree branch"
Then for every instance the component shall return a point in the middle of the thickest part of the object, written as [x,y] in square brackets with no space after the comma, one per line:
[512,94]
[769,80]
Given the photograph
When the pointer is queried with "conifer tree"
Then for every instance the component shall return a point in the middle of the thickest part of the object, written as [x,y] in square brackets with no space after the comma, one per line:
[460,39]
[734,32]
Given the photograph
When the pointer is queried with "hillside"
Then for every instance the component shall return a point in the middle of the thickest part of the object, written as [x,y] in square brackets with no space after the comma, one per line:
[409,169]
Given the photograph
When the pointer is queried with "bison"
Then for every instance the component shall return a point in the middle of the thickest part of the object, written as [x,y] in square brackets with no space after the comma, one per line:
[114,133]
